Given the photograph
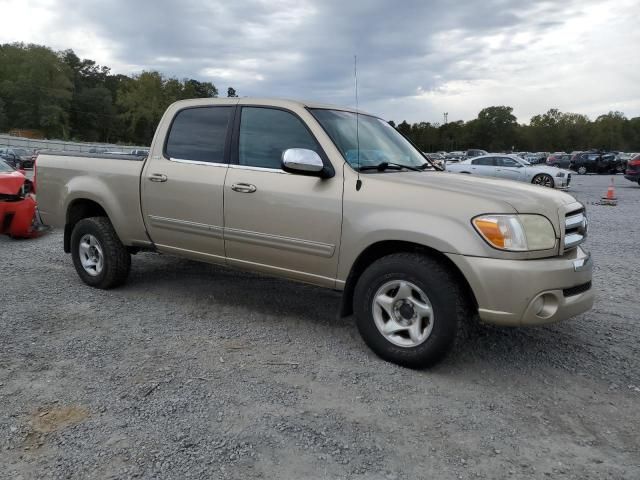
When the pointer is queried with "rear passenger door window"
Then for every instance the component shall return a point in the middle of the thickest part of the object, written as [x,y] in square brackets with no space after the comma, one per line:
[199,134]
[265,133]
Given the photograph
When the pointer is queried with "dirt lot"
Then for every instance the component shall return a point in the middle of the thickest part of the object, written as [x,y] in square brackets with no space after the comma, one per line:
[196,371]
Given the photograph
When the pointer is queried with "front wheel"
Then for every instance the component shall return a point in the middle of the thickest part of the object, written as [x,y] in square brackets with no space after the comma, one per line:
[100,258]
[582,170]
[409,308]
[543,180]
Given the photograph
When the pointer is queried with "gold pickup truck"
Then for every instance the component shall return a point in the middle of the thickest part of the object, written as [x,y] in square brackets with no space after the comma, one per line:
[333,197]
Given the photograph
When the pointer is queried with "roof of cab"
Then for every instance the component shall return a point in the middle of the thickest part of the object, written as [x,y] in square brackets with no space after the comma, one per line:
[276,102]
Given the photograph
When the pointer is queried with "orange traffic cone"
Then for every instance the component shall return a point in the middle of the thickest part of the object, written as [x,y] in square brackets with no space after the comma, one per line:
[610,198]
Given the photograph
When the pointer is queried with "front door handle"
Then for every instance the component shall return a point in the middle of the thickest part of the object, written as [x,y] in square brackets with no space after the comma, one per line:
[158,177]
[243,187]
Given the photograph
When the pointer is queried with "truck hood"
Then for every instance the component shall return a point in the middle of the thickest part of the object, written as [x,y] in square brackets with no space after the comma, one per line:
[522,197]
[10,183]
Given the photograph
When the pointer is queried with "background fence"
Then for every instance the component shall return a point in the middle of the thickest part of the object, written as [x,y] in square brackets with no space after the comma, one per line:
[60,145]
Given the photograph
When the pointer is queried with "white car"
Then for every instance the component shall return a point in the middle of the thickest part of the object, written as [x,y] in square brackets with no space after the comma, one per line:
[513,167]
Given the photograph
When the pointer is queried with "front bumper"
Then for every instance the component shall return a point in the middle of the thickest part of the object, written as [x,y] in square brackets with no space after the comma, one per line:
[562,183]
[529,292]
[19,218]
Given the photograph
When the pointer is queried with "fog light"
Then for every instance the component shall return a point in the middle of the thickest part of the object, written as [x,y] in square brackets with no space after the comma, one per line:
[538,305]
[545,306]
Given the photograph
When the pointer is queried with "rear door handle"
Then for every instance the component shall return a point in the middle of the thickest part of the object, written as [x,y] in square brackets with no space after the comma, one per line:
[158,177]
[243,187]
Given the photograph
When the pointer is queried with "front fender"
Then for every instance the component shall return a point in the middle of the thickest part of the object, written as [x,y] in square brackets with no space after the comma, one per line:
[445,234]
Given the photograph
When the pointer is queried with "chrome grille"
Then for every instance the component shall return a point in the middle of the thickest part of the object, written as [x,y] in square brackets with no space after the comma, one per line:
[575,228]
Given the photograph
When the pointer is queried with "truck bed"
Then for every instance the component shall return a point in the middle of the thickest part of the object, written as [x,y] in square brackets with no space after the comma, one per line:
[113,181]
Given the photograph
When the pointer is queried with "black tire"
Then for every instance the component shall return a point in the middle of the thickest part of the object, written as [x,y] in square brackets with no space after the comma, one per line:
[447,298]
[582,170]
[116,258]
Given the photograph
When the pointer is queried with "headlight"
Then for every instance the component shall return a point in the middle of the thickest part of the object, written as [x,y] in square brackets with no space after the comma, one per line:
[516,233]
[560,174]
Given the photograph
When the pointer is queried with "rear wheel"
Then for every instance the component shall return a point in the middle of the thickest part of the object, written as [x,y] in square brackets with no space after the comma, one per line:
[582,170]
[100,258]
[543,180]
[409,309]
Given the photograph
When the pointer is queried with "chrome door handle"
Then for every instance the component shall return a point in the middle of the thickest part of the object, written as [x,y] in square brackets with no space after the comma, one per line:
[158,177]
[243,187]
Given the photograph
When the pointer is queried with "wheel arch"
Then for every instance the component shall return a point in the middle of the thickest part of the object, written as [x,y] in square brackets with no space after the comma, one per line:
[383,248]
[77,210]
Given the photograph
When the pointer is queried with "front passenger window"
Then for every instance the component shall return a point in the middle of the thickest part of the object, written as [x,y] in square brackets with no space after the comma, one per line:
[265,133]
[507,162]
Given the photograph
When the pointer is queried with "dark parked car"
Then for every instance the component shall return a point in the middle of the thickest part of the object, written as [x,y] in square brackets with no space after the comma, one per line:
[19,155]
[633,169]
[561,160]
[595,162]
[10,159]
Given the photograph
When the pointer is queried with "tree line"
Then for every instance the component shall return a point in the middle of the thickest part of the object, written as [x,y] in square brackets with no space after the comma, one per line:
[69,98]
[65,97]
[496,130]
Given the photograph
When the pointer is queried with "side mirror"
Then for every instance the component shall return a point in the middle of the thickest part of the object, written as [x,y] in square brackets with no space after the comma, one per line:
[304,162]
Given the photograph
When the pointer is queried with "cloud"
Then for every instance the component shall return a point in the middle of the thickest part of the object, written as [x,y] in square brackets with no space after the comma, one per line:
[416,59]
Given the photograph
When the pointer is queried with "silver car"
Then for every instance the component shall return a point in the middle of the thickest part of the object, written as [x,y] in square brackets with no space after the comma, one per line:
[514,168]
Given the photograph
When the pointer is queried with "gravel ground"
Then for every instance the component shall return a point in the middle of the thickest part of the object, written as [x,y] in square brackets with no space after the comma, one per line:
[197,371]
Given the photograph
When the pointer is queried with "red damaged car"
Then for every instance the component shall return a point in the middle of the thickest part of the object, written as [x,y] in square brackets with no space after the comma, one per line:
[18,211]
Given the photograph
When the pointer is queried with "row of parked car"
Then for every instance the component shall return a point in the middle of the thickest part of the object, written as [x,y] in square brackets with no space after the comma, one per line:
[18,158]
[21,158]
[555,172]
[592,161]
[582,162]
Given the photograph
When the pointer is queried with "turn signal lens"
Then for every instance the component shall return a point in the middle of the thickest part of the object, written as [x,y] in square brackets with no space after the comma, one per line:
[490,230]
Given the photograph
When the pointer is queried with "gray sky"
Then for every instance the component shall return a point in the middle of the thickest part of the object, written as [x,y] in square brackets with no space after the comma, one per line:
[416,59]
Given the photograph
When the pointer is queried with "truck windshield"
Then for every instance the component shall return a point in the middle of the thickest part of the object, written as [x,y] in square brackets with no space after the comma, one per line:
[379,142]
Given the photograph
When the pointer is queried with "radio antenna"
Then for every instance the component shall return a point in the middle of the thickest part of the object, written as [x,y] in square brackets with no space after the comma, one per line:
[355,77]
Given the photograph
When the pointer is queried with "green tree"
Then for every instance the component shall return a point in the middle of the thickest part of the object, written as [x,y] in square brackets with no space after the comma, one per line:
[495,128]
[3,117]
[608,131]
[141,104]
[405,129]
[36,88]
[231,92]
[546,130]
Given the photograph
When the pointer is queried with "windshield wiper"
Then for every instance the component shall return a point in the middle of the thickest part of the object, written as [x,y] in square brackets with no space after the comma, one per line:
[382,166]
